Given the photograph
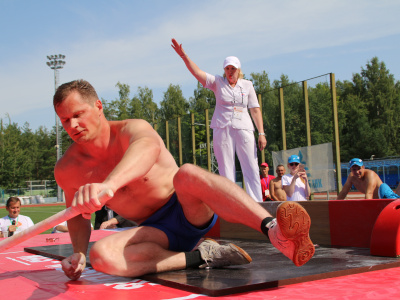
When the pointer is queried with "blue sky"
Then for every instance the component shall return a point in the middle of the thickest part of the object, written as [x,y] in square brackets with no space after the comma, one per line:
[128,41]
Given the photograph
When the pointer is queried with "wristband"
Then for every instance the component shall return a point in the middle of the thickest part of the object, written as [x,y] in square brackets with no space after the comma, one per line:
[261,133]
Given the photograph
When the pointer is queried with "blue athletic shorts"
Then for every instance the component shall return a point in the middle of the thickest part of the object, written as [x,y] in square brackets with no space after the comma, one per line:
[170,219]
[385,192]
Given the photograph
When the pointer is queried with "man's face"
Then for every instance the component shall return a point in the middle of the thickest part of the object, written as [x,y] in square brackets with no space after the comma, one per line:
[264,171]
[280,171]
[357,171]
[14,209]
[80,119]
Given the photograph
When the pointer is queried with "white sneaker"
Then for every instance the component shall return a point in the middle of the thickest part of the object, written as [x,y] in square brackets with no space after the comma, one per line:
[289,232]
[217,256]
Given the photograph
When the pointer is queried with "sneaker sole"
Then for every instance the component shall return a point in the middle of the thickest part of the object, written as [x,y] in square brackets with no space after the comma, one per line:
[294,223]
[244,253]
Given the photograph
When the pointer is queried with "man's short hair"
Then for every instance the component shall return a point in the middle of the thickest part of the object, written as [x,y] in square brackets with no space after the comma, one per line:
[83,87]
[12,200]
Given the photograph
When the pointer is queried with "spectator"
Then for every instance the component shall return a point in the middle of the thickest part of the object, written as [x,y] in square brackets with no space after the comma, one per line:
[231,122]
[275,187]
[296,184]
[265,181]
[108,219]
[15,221]
[62,227]
[367,182]
[117,222]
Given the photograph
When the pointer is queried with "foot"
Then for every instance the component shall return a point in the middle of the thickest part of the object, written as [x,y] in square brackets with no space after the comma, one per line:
[289,232]
[217,256]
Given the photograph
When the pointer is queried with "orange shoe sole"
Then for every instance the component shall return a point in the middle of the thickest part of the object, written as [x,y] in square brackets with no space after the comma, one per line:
[243,252]
[294,224]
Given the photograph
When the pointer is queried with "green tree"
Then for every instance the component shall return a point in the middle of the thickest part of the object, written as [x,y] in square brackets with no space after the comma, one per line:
[173,103]
[370,124]
[202,99]
[143,107]
[118,109]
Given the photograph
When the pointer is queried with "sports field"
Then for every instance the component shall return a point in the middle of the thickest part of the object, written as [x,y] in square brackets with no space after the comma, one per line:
[39,212]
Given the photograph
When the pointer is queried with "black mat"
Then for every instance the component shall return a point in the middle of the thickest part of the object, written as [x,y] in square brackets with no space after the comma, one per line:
[269,268]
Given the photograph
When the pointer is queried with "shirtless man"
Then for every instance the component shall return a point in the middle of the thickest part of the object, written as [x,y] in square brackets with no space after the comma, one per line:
[275,186]
[173,206]
[367,182]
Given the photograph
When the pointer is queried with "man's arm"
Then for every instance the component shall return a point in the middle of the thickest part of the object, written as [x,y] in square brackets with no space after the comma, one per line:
[346,189]
[370,182]
[143,148]
[272,191]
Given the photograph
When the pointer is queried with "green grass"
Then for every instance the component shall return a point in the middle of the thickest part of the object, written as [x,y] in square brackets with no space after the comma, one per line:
[39,213]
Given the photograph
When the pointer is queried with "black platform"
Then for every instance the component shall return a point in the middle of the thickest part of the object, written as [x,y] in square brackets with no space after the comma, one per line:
[269,268]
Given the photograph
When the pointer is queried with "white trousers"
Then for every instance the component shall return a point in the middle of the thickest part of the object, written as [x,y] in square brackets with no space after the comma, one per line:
[226,142]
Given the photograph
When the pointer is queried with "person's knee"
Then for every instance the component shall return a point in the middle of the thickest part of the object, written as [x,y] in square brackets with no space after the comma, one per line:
[185,174]
[103,258]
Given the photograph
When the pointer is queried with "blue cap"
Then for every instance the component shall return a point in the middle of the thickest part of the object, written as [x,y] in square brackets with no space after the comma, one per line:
[294,158]
[356,161]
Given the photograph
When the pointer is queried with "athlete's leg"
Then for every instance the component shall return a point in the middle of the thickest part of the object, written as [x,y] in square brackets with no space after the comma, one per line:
[201,193]
[135,252]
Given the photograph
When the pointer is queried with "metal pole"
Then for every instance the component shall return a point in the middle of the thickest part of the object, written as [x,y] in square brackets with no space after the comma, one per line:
[282,118]
[57,62]
[336,134]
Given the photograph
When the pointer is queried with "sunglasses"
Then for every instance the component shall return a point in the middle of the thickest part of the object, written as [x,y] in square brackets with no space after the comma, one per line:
[293,164]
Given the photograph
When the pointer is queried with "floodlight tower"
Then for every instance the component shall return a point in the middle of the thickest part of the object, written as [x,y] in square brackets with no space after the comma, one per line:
[57,62]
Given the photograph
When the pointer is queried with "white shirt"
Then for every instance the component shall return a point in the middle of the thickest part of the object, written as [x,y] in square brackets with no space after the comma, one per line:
[232,103]
[299,193]
[22,222]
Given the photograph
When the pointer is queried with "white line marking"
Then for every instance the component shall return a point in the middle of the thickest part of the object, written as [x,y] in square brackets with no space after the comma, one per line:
[192,296]
[21,262]
[5,253]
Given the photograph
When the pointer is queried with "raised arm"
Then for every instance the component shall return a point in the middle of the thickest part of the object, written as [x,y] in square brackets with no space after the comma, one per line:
[192,67]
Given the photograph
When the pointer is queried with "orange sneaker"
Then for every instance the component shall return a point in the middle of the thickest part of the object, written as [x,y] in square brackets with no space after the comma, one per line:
[289,232]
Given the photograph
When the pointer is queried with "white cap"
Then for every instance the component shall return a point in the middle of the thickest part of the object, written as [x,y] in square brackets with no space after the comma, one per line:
[232,61]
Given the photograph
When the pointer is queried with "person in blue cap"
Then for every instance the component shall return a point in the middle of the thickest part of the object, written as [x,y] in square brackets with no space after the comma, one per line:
[296,184]
[367,182]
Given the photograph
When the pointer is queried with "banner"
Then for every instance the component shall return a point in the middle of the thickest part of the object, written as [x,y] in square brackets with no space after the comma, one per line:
[317,161]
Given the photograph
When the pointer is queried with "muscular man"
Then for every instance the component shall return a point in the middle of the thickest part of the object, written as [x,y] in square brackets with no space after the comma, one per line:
[275,186]
[367,182]
[173,206]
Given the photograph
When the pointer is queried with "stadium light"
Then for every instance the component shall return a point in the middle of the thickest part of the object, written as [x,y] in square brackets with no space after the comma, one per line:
[55,63]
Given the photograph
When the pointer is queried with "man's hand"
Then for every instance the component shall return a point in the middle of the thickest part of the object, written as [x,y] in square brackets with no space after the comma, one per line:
[86,199]
[109,224]
[178,48]
[74,265]
[12,228]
